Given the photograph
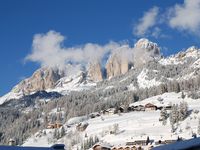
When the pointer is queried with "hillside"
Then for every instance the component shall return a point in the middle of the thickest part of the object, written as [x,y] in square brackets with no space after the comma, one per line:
[131,126]
[51,95]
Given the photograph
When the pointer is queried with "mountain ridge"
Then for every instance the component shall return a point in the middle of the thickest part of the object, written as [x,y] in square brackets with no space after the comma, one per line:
[54,79]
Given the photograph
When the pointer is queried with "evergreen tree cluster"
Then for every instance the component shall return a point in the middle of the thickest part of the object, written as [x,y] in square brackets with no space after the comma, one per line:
[178,113]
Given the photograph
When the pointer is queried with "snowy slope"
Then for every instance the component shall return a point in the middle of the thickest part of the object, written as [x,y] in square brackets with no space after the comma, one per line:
[65,85]
[76,82]
[144,82]
[10,95]
[135,125]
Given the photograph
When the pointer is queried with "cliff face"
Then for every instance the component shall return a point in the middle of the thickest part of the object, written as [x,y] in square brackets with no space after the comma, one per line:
[144,52]
[116,66]
[41,79]
[119,63]
[148,46]
[95,72]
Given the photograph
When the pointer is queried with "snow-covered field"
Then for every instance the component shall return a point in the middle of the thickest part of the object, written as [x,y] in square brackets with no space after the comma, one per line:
[133,125]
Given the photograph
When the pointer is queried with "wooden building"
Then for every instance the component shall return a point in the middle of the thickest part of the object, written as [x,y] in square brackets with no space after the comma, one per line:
[127,148]
[160,108]
[133,148]
[51,126]
[109,111]
[94,115]
[139,108]
[101,146]
[120,148]
[54,125]
[11,142]
[139,142]
[169,107]
[150,106]
[82,126]
[121,109]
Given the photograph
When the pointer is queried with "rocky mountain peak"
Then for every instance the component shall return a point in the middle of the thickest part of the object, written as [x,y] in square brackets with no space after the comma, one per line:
[148,45]
[116,65]
[191,49]
[42,79]
[95,71]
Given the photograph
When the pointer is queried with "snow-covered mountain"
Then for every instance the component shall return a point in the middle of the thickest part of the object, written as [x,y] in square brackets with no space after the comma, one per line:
[53,94]
[55,79]
[151,70]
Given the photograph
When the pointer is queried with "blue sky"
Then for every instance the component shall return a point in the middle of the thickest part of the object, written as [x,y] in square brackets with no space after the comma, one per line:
[90,21]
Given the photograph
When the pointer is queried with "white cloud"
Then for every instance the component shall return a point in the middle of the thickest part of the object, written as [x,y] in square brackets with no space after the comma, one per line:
[48,50]
[145,23]
[186,16]
[156,32]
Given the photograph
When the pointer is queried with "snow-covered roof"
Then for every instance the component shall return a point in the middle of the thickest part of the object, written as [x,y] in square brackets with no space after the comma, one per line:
[180,145]
[105,145]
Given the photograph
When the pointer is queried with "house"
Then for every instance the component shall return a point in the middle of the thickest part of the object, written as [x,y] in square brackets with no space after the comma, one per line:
[120,148]
[137,142]
[149,107]
[94,115]
[82,126]
[133,148]
[58,125]
[160,107]
[51,126]
[139,108]
[11,142]
[127,148]
[101,146]
[169,107]
[130,143]
[54,125]
[130,108]
[140,142]
[109,111]
[121,109]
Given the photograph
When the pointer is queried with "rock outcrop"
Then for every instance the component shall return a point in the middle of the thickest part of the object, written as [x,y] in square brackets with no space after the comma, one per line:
[41,79]
[119,62]
[95,72]
[148,46]
[144,52]
[116,66]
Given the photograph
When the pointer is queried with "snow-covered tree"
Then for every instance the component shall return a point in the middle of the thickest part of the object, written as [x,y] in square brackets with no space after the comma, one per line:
[56,134]
[173,116]
[160,99]
[182,95]
[62,131]
[163,116]
[183,110]
[115,128]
